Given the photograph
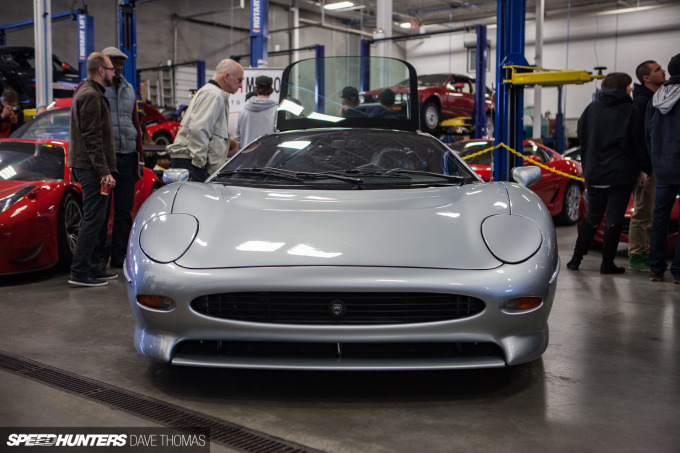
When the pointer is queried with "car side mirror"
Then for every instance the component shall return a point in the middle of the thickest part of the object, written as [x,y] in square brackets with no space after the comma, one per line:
[525,176]
[175,175]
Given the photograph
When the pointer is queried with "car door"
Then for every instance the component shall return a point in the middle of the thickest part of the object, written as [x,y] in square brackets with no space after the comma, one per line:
[549,185]
[460,97]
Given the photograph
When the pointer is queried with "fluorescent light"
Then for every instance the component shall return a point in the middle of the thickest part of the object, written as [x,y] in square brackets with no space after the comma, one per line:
[626,10]
[338,5]
[405,25]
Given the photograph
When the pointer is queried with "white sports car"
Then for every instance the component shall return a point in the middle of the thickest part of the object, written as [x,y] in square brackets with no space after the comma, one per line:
[343,242]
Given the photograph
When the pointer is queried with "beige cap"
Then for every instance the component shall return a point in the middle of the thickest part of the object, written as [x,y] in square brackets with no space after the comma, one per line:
[114,52]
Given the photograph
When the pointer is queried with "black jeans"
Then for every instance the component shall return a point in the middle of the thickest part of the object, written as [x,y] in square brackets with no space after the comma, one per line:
[665,200]
[86,254]
[123,200]
[613,202]
[195,173]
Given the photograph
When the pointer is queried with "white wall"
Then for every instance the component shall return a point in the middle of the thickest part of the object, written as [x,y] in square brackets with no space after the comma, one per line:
[619,42]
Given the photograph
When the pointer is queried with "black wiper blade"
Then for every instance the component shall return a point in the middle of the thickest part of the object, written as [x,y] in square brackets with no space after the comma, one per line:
[365,172]
[264,172]
[288,175]
[451,178]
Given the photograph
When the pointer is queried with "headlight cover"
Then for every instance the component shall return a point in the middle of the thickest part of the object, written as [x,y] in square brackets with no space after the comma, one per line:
[511,238]
[166,237]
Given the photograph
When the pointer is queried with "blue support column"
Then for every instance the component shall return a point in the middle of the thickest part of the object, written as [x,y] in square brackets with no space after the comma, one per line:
[320,78]
[480,83]
[259,32]
[365,66]
[509,99]
[127,40]
[85,42]
[200,74]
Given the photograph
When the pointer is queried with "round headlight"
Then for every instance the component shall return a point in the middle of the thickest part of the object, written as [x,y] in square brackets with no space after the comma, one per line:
[166,237]
[511,238]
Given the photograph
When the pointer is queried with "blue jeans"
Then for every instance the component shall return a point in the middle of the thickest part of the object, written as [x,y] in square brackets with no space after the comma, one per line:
[86,254]
[123,201]
[195,173]
[665,199]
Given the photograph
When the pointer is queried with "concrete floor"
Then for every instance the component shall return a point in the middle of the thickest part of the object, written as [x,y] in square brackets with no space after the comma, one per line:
[609,381]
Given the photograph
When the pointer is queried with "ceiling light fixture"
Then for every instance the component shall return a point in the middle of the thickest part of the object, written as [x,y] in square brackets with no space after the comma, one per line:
[338,5]
[626,10]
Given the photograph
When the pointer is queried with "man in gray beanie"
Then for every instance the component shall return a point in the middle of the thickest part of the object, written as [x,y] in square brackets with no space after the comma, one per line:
[663,140]
[127,138]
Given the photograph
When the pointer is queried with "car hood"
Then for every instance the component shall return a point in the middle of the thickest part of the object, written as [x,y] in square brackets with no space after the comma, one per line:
[253,227]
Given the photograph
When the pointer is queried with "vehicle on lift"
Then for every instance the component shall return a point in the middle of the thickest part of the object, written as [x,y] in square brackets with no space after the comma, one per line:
[560,194]
[17,71]
[342,243]
[40,206]
[441,96]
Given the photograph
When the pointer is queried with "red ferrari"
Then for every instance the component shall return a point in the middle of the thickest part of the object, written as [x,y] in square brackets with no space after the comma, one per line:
[441,96]
[671,238]
[40,207]
[559,193]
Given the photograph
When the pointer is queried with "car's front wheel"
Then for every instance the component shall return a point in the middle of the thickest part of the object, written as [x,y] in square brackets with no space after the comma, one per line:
[162,138]
[430,118]
[569,213]
[70,217]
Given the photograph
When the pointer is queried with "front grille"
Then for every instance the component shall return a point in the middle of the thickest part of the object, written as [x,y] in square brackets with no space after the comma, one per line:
[365,351]
[337,307]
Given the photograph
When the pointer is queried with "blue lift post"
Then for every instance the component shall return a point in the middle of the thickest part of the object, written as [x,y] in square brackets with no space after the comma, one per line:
[511,15]
[127,40]
[320,79]
[85,42]
[480,83]
[259,31]
[30,23]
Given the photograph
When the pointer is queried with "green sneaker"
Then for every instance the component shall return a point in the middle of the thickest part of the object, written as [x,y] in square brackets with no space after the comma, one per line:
[639,261]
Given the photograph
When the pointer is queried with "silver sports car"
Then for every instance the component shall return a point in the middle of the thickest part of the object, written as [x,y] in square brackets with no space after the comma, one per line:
[343,241]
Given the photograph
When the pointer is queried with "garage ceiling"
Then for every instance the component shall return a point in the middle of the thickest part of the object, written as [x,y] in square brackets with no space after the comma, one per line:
[462,12]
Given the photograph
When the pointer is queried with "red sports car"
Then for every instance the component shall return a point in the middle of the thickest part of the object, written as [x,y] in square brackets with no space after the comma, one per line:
[441,96]
[40,207]
[559,193]
[161,129]
[599,235]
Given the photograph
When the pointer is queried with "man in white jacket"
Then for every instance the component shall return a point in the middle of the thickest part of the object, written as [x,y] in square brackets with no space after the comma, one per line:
[202,141]
[258,116]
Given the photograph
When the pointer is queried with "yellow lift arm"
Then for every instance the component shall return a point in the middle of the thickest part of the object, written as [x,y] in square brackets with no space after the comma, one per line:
[533,75]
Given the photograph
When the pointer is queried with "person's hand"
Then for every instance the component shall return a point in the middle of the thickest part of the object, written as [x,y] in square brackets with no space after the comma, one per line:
[642,179]
[109,181]
[6,111]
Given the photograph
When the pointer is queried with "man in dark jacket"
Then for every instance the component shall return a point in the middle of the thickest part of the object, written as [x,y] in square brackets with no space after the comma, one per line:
[663,140]
[92,159]
[612,156]
[651,77]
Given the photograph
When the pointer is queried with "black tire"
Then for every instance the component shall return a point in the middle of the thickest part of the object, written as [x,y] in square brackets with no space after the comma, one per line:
[430,118]
[70,217]
[162,138]
[569,213]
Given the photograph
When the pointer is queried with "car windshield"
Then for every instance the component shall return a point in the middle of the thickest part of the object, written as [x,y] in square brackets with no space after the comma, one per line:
[328,92]
[346,159]
[53,124]
[31,161]
[465,149]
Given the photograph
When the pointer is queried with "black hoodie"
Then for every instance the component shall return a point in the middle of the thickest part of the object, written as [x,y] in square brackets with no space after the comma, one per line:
[611,132]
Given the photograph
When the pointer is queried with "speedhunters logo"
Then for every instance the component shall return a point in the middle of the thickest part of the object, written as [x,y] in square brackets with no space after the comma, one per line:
[106,439]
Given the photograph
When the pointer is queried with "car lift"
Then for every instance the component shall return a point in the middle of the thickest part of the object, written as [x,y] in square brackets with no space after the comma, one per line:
[532,75]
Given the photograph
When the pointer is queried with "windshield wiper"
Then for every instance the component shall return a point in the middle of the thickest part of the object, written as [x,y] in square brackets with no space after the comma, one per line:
[452,178]
[289,175]
[365,172]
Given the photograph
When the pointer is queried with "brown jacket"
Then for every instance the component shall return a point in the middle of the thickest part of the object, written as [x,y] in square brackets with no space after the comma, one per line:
[91,137]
